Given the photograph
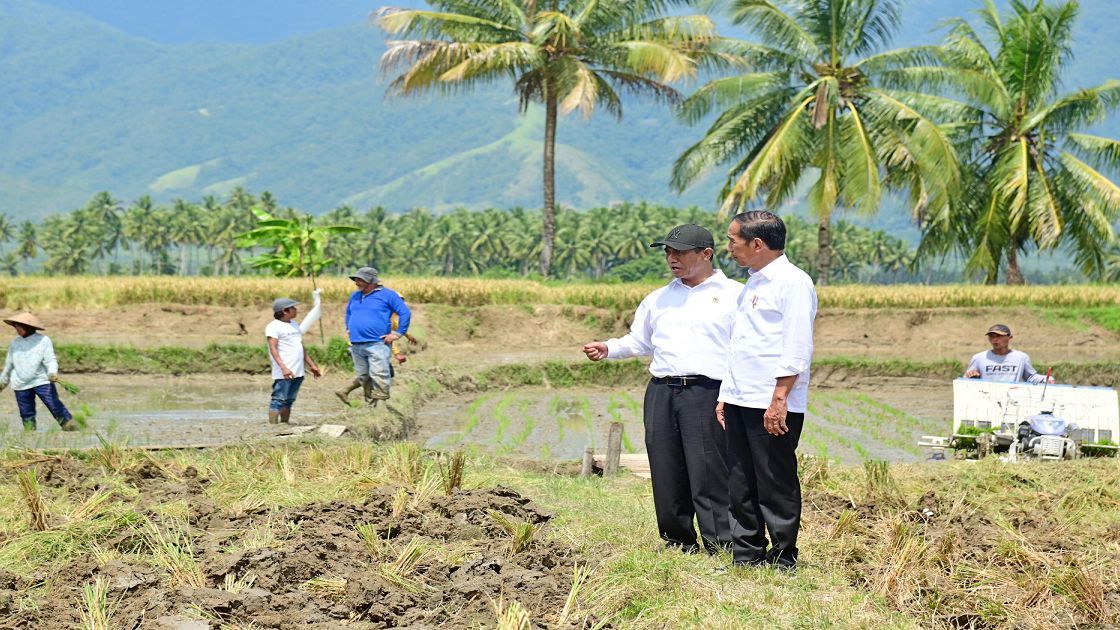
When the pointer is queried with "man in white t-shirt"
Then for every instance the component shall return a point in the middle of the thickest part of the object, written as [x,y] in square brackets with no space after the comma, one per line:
[1002,364]
[285,350]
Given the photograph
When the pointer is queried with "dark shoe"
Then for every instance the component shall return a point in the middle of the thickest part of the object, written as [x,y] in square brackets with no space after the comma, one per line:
[69,425]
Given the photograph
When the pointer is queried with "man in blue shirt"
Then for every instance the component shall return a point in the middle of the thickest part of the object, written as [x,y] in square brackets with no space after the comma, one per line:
[371,335]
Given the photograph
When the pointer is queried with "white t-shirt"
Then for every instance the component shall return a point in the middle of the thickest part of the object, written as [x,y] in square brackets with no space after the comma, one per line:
[289,346]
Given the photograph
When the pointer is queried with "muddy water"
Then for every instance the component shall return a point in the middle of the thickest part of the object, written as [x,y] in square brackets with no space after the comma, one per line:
[539,423]
[533,422]
[558,424]
[195,410]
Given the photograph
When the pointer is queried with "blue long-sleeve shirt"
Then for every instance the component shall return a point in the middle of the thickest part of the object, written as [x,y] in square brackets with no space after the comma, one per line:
[367,316]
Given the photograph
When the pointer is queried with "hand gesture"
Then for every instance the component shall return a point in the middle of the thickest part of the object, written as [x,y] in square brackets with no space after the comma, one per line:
[596,350]
[719,416]
[390,338]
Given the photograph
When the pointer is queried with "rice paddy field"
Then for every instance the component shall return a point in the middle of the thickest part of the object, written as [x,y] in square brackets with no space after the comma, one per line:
[457,504]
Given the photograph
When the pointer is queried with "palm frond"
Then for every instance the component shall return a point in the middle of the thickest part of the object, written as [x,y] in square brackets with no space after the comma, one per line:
[1082,108]
[786,145]
[776,28]
[1104,152]
[436,25]
[729,92]
[859,179]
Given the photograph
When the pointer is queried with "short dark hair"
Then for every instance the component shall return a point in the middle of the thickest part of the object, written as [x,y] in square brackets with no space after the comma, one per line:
[762,225]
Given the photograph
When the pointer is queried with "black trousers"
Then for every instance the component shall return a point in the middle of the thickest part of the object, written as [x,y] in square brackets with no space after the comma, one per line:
[765,490]
[686,450]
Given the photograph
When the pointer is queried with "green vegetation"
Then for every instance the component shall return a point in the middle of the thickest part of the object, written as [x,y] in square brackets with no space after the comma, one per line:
[1035,180]
[604,243]
[574,55]
[815,106]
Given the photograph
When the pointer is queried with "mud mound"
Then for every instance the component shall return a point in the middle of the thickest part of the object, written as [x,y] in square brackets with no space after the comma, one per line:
[439,561]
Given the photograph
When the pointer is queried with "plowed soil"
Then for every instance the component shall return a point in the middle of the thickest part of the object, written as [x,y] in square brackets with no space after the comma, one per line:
[308,568]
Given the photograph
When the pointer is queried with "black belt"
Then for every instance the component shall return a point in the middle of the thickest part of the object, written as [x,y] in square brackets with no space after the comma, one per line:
[683,381]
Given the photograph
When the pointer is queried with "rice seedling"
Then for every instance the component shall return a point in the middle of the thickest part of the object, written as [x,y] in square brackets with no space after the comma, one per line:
[511,616]
[813,471]
[377,546]
[429,484]
[844,524]
[521,533]
[324,586]
[400,502]
[452,474]
[103,555]
[173,550]
[403,571]
[1085,590]
[38,517]
[69,387]
[878,479]
[234,584]
[580,574]
[402,462]
[111,455]
[96,614]
[94,504]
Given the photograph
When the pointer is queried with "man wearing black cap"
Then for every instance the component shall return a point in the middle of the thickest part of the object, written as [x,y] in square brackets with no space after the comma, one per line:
[369,330]
[1001,363]
[685,325]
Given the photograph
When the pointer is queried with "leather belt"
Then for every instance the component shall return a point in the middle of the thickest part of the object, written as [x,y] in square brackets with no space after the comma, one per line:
[683,381]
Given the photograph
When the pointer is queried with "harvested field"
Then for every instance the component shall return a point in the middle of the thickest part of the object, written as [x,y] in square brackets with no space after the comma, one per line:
[164,547]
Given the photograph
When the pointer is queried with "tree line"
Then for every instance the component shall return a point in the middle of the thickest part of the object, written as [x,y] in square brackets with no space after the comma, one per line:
[111,237]
[992,157]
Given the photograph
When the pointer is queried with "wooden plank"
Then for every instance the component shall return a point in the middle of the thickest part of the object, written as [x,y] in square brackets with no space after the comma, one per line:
[634,463]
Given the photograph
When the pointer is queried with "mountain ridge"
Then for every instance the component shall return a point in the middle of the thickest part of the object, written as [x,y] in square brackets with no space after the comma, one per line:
[86,107]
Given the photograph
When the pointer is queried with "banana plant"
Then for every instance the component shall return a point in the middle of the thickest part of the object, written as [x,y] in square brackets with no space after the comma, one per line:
[296,247]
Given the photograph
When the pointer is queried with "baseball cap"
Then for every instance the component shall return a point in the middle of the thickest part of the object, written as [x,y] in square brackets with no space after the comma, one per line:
[366,274]
[280,304]
[685,237]
[999,329]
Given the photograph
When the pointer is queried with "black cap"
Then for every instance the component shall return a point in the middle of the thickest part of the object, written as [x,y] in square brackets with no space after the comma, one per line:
[686,237]
[999,329]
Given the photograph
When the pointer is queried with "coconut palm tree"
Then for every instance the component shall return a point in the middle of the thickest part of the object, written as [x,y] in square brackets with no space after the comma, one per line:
[565,54]
[1035,178]
[812,108]
[27,246]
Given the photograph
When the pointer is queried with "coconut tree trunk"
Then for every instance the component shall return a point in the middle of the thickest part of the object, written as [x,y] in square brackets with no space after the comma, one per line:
[824,251]
[1014,274]
[548,231]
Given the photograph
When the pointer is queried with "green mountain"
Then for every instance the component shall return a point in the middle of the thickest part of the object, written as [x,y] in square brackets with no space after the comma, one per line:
[86,107]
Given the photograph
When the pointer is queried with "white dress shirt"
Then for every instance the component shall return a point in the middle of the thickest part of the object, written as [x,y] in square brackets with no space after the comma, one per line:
[772,337]
[685,328]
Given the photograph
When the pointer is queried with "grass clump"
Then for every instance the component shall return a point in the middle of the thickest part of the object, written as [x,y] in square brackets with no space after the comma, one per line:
[403,571]
[96,613]
[172,549]
[37,516]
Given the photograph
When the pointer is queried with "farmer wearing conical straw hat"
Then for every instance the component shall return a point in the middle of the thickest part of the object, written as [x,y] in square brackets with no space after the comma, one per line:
[32,370]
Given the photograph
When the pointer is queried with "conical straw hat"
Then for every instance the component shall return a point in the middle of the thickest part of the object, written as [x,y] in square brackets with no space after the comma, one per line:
[27,319]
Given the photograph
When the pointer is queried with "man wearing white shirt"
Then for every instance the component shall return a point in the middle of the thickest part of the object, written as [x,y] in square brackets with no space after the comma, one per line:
[763,400]
[685,326]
